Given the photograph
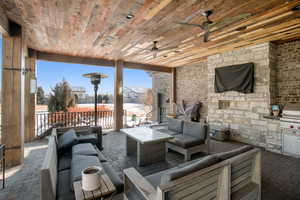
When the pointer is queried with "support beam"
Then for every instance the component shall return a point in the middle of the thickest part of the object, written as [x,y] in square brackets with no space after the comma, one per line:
[173,92]
[12,96]
[118,97]
[4,23]
[29,112]
[99,62]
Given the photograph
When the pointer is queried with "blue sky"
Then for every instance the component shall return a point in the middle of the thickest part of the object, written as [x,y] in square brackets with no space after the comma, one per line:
[49,73]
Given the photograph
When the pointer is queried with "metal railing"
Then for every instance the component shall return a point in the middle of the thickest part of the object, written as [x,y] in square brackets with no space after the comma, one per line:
[45,121]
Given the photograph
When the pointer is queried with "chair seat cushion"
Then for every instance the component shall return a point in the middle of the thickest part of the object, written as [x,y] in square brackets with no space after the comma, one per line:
[183,171]
[230,154]
[63,190]
[186,141]
[84,149]
[114,177]
[67,140]
[80,162]
[64,162]
[90,138]
[169,132]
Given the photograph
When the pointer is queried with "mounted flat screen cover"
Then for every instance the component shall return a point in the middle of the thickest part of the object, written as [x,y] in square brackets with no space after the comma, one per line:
[238,78]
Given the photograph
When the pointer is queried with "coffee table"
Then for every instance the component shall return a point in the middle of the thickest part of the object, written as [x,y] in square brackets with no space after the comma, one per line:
[147,143]
[107,188]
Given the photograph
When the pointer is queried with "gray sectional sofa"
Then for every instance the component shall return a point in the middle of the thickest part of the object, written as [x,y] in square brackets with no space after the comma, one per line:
[189,137]
[64,161]
[232,175]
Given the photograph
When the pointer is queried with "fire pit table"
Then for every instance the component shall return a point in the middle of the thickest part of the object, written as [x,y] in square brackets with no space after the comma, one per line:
[147,143]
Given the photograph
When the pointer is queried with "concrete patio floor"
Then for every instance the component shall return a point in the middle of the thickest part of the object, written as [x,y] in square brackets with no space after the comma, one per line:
[281,174]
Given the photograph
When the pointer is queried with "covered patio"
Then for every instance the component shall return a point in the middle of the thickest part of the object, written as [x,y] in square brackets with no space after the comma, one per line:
[24,183]
[184,44]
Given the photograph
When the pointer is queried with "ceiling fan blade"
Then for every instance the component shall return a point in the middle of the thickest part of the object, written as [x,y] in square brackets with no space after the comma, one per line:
[167,48]
[142,49]
[195,14]
[230,20]
[188,24]
[205,37]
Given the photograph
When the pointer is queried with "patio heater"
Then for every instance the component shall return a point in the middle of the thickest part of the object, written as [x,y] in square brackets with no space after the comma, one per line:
[95,80]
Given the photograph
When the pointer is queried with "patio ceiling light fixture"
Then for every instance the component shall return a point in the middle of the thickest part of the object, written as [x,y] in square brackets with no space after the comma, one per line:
[129,16]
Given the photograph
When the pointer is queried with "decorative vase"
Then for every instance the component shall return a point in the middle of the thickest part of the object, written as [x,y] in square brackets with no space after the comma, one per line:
[91,178]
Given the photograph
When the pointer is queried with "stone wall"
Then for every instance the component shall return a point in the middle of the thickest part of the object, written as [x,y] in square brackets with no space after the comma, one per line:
[277,80]
[244,114]
[191,85]
[161,83]
[288,72]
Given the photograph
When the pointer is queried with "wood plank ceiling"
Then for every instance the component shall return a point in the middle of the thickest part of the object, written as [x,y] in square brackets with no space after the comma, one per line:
[100,29]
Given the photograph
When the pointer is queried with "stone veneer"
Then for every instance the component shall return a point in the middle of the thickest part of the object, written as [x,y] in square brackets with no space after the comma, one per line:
[191,85]
[277,81]
[161,83]
[245,114]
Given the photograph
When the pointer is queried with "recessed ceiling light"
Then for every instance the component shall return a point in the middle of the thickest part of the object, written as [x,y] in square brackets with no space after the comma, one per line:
[129,16]
[296,8]
[242,28]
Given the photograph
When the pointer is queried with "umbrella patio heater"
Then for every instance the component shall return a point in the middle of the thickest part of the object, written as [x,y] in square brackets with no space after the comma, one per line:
[96,80]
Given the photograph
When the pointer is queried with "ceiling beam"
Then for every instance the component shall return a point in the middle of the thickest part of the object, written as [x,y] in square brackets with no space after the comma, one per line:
[4,23]
[98,62]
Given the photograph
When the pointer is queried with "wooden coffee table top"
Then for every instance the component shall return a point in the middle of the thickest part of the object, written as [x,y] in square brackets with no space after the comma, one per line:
[107,188]
[146,134]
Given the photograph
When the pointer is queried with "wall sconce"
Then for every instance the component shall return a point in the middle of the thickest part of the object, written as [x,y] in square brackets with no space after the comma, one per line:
[33,86]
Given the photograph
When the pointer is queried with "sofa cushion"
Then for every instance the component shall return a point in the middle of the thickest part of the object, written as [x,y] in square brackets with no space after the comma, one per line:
[63,190]
[67,140]
[195,129]
[84,149]
[181,172]
[49,172]
[175,125]
[186,141]
[155,179]
[64,162]
[80,162]
[230,154]
[90,138]
[114,177]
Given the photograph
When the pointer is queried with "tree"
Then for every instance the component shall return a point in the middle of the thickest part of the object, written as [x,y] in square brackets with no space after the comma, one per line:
[105,98]
[61,97]
[40,96]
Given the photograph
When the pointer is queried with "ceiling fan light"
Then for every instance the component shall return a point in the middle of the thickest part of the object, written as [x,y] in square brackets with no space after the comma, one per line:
[296,8]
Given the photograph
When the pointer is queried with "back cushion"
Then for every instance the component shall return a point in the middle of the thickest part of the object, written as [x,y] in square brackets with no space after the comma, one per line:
[195,129]
[49,172]
[67,140]
[193,167]
[175,125]
[235,152]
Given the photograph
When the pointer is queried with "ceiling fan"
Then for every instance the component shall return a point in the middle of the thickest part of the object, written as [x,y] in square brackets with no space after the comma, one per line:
[207,25]
[155,49]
